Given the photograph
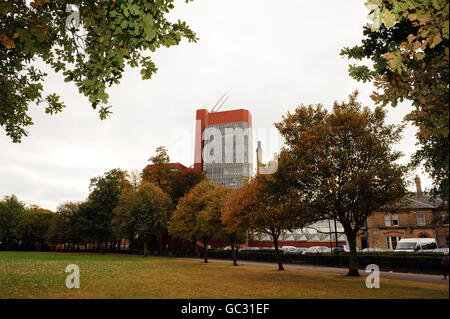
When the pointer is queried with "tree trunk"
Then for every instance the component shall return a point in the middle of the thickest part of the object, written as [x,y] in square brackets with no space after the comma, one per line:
[194,247]
[145,248]
[233,252]
[277,253]
[102,247]
[160,245]
[353,263]
[205,249]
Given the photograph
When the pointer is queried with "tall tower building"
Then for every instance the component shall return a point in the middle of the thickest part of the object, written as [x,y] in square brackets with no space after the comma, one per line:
[223,144]
[258,158]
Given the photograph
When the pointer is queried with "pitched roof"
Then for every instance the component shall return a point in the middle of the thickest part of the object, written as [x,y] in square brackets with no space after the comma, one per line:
[423,202]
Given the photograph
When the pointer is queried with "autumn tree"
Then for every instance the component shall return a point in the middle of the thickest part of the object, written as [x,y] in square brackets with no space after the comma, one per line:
[209,224]
[278,206]
[408,45]
[198,214]
[236,213]
[345,161]
[159,172]
[89,42]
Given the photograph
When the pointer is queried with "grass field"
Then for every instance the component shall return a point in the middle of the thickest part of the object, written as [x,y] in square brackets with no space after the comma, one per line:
[42,275]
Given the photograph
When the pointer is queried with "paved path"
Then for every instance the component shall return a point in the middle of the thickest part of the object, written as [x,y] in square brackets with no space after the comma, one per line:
[436,279]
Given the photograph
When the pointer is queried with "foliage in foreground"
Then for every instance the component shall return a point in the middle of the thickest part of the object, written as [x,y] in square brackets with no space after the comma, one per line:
[93,55]
[408,45]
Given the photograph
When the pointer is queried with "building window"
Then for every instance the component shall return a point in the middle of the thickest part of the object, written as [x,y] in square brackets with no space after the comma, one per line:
[421,219]
[392,241]
[395,220]
[387,220]
[444,219]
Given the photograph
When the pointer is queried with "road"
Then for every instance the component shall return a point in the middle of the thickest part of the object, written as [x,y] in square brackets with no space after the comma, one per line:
[436,279]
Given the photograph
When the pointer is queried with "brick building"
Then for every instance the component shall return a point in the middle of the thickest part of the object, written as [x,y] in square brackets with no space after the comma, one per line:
[384,229]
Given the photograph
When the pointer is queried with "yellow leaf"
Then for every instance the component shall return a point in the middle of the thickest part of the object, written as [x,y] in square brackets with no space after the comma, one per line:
[7,42]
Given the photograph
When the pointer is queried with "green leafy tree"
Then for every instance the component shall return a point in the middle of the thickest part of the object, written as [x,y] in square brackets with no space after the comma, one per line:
[65,226]
[31,227]
[344,162]
[183,181]
[10,207]
[125,213]
[104,196]
[153,212]
[408,45]
[93,55]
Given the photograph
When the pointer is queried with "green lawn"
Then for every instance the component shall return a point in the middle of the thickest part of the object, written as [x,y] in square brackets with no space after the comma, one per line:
[42,275]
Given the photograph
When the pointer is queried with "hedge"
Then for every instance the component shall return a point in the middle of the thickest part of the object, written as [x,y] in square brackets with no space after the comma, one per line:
[387,262]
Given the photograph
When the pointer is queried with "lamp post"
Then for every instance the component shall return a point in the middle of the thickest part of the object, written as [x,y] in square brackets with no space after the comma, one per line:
[331,238]
[335,231]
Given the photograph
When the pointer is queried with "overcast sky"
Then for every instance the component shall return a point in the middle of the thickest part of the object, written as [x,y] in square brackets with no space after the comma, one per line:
[268,56]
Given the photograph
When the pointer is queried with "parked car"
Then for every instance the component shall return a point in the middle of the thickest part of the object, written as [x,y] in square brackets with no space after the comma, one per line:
[416,244]
[316,249]
[289,249]
[249,248]
[440,250]
[294,250]
[299,250]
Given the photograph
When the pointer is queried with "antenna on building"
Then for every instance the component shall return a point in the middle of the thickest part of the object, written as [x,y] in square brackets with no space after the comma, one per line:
[212,110]
[222,103]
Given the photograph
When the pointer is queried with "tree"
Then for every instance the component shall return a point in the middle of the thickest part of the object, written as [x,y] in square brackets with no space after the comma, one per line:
[90,45]
[93,223]
[183,181]
[408,45]
[125,215]
[236,217]
[278,207]
[65,226]
[153,212]
[198,213]
[176,183]
[345,163]
[209,224]
[10,207]
[31,227]
[104,196]
[160,173]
